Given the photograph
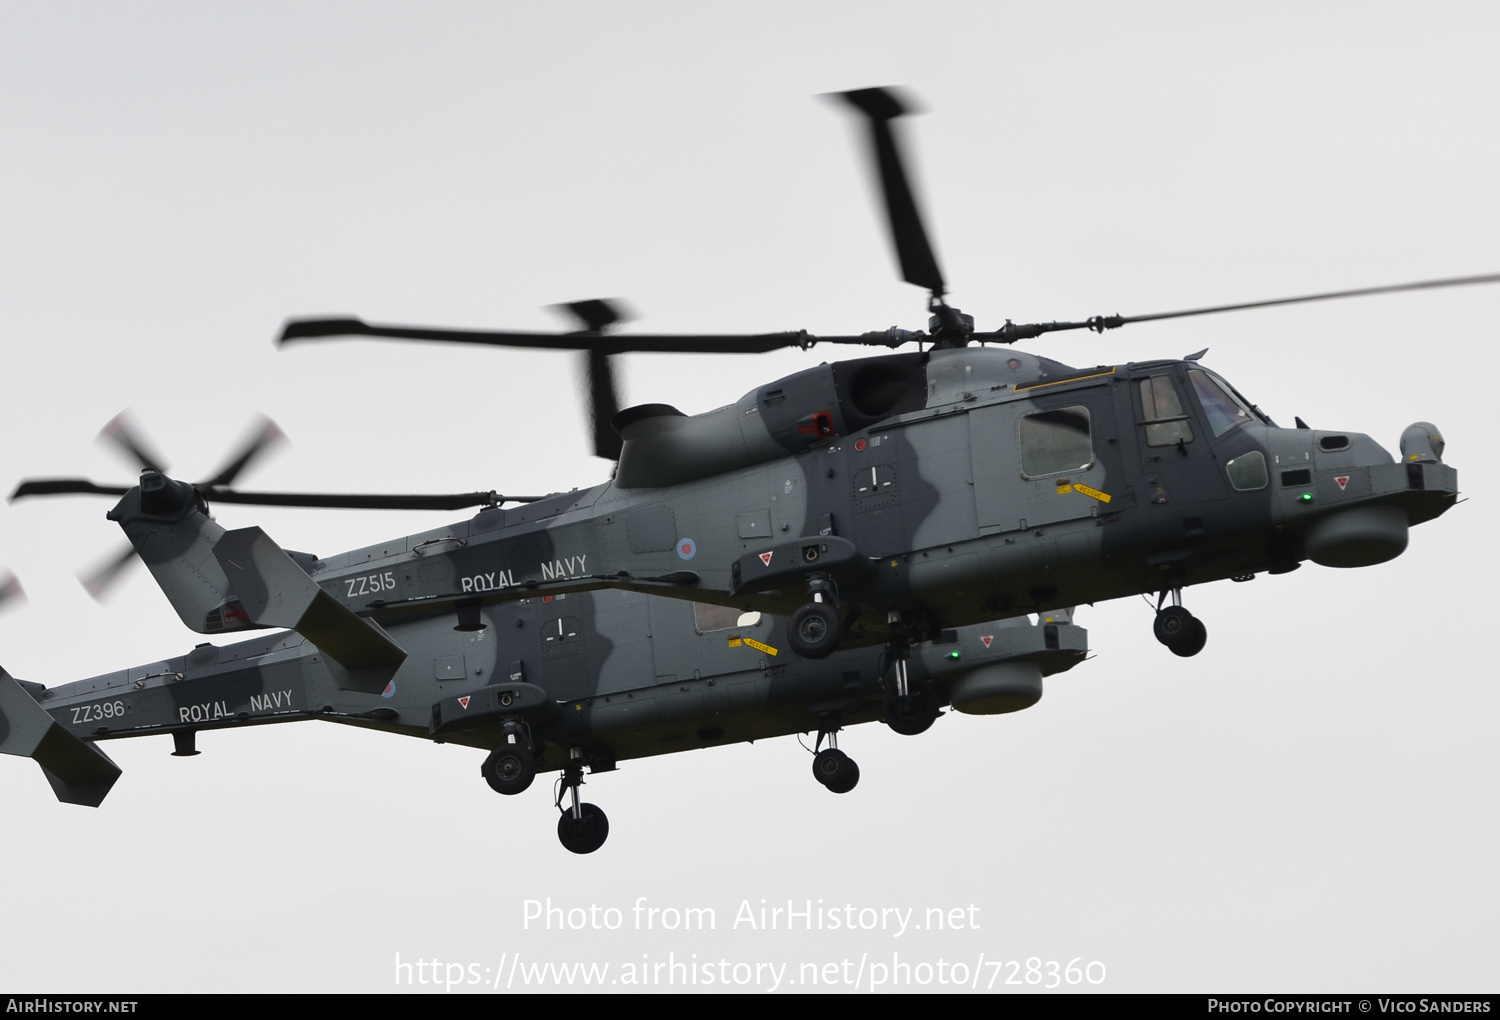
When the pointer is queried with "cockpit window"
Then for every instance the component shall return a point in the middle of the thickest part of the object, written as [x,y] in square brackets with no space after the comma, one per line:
[1167,422]
[1223,409]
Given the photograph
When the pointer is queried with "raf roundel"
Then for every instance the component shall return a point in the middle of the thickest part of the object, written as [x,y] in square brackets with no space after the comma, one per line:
[390,690]
[686,548]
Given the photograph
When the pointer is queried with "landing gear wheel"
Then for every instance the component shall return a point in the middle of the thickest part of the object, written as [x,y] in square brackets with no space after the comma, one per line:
[814,631]
[509,769]
[1170,623]
[1192,641]
[835,770]
[914,713]
[1182,632]
[584,834]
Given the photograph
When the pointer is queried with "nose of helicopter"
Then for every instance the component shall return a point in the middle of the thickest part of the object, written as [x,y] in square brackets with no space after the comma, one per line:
[1355,502]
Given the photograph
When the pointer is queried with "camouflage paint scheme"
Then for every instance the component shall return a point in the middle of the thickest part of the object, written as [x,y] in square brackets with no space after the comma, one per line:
[629,676]
[954,532]
[740,506]
[929,494]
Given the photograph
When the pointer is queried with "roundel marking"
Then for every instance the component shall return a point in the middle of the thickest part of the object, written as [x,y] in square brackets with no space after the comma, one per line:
[390,690]
[686,548]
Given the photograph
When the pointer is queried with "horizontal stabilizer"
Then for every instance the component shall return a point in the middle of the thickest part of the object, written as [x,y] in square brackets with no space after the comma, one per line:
[277,593]
[79,772]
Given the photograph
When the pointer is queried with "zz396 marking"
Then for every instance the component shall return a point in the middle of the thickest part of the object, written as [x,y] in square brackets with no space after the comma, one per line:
[98,710]
[370,583]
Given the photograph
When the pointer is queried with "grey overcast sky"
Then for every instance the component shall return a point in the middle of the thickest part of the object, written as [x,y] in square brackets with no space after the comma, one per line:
[1309,805]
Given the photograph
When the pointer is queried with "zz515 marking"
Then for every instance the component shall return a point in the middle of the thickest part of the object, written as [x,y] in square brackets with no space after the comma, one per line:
[98,710]
[370,583]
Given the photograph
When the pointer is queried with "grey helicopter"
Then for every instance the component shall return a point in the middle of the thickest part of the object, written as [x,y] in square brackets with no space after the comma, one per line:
[885,511]
[659,675]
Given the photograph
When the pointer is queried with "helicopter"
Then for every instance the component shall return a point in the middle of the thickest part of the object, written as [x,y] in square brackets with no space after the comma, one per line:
[662,675]
[880,505]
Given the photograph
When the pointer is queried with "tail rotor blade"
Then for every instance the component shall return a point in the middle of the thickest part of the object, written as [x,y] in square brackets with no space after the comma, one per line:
[98,581]
[10,590]
[122,433]
[265,436]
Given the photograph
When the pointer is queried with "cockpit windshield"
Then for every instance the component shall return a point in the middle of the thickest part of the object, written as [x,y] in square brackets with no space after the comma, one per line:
[1222,406]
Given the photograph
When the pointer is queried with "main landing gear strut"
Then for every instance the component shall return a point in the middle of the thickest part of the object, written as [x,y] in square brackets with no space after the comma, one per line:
[510,768]
[910,706]
[1181,631]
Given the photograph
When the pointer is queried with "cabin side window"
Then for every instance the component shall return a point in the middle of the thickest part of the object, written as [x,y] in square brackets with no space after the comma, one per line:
[1248,472]
[709,618]
[1166,420]
[1052,442]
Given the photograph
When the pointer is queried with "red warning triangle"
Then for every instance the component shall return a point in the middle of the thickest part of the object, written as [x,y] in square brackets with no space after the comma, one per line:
[987,639]
[463,702]
[765,558]
[1343,481]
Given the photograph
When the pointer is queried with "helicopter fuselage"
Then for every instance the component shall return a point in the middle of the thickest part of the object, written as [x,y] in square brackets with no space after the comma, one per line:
[617,674]
[990,483]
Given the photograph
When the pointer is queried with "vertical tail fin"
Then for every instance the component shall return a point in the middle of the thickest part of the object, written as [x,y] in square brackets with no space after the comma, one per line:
[79,772]
[221,581]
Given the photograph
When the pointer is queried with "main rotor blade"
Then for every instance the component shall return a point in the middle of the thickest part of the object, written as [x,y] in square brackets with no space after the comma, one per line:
[650,343]
[604,404]
[265,436]
[121,432]
[1395,288]
[918,263]
[348,501]
[596,314]
[65,487]
[99,580]
[363,501]
[1012,332]
[594,317]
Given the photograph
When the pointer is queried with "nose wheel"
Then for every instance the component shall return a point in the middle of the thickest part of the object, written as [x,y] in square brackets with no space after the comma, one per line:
[1182,632]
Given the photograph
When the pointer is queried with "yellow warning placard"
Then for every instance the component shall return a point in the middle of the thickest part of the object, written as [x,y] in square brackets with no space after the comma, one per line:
[735,641]
[1066,485]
